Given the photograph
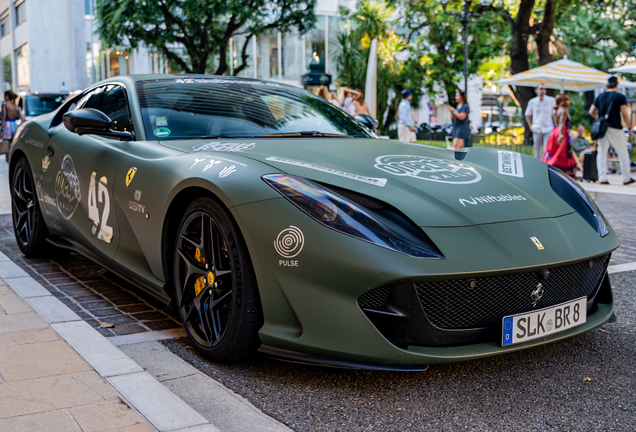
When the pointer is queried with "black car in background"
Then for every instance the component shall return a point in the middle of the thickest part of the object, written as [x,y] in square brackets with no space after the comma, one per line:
[33,105]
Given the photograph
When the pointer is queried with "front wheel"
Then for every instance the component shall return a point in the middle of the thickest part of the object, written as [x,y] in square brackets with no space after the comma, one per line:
[214,283]
[28,223]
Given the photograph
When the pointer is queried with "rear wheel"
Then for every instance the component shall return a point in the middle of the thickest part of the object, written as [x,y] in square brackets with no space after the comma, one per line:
[28,223]
[215,287]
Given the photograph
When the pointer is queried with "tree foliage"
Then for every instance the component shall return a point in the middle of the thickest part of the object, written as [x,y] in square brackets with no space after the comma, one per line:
[202,28]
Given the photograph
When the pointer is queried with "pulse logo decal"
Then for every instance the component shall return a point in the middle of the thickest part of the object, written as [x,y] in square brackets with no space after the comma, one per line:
[289,242]
[131,174]
[486,199]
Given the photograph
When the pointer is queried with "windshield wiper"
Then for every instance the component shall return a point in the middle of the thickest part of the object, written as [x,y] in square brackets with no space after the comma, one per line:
[301,134]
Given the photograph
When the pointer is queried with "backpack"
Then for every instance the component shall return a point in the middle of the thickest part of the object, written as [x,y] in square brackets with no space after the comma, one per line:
[599,127]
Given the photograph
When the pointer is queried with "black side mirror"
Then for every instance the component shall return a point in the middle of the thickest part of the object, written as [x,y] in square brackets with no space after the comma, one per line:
[367,120]
[91,121]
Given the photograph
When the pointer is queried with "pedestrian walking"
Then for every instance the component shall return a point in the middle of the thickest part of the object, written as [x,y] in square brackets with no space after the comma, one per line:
[10,113]
[558,150]
[460,120]
[539,116]
[406,128]
[612,105]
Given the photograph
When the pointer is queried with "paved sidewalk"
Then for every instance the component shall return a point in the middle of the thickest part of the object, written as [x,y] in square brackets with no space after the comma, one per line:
[46,386]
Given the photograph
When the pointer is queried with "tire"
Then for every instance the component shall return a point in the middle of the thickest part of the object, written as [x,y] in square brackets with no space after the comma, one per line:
[28,224]
[214,284]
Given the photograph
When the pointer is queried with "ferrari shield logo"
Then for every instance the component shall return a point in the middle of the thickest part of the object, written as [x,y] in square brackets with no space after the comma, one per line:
[537,243]
[130,176]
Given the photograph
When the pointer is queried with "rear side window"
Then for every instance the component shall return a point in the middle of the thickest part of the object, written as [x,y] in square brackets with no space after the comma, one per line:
[111,100]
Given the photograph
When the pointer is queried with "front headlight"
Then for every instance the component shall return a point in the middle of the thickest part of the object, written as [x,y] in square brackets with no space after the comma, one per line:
[361,217]
[573,194]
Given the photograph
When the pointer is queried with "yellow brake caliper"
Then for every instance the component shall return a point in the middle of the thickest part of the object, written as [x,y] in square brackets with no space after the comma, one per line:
[199,284]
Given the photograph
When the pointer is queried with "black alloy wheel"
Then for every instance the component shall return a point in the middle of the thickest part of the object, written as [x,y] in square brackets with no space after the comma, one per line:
[215,288]
[28,224]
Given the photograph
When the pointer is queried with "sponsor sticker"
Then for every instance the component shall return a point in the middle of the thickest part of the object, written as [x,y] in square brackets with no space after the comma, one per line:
[136,207]
[224,147]
[33,142]
[289,242]
[137,195]
[45,163]
[67,188]
[162,132]
[227,171]
[369,180]
[223,81]
[428,168]
[510,163]
[489,199]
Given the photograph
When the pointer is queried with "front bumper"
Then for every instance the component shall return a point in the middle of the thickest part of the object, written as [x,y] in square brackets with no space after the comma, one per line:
[310,302]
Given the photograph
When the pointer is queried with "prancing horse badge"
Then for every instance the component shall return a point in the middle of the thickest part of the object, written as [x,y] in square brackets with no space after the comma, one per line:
[537,243]
[130,175]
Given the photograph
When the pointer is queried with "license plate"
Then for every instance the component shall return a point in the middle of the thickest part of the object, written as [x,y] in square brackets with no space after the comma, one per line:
[543,322]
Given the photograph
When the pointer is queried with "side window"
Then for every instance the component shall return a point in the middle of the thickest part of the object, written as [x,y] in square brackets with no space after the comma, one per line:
[111,100]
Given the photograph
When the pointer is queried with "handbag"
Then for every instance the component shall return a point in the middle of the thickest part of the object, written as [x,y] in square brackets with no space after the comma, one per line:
[599,127]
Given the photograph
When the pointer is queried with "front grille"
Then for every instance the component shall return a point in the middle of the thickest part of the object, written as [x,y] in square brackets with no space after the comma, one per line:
[375,299]
[482,302]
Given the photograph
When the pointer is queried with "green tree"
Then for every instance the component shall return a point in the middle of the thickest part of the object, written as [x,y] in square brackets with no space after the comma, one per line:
[436,43]
[203,28]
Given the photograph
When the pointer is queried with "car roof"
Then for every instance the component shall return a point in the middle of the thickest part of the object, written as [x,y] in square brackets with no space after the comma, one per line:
[133,79]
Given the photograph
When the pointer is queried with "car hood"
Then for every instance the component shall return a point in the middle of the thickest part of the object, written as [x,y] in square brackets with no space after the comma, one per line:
[434,187]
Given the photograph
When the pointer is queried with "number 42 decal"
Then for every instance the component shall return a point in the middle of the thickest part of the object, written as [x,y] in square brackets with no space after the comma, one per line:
[99,193]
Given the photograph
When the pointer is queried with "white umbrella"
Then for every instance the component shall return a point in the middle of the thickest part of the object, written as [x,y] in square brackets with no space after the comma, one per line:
[628,68]
[564,74]
[371,87]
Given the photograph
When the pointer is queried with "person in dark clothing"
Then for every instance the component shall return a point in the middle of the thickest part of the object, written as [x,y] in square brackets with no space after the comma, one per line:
[460,120]
[614,104]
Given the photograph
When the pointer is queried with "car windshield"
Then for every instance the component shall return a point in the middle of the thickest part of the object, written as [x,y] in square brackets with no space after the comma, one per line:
[41,104]
[190,108]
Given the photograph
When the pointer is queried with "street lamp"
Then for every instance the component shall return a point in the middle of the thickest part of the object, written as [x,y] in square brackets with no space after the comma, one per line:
[465,16]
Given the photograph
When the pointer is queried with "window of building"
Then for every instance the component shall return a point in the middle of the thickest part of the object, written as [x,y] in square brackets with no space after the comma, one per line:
[6,69]
[111,100]
[20,13]
[87,7]
[4,26]
[23,66]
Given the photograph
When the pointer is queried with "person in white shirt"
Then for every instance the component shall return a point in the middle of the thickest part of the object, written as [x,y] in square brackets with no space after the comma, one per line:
[406,128]
[539,116]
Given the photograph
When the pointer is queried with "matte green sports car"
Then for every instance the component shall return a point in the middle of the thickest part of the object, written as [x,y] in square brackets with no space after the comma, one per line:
[272,219]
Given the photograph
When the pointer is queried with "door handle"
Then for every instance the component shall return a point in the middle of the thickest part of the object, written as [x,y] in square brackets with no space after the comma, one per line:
[50,151]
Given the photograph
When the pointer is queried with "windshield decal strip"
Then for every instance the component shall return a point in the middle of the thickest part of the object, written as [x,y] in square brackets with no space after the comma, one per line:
[370,180]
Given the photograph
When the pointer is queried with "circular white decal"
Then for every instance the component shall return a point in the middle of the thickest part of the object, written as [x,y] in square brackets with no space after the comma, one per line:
[427,168]
[67,188]
[289,242]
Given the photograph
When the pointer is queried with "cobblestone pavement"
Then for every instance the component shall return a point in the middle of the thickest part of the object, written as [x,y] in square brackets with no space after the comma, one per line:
[620,211]
[95,294]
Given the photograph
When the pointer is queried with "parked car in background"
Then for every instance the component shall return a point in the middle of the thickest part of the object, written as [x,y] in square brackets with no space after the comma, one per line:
[434,133]
[37,104]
